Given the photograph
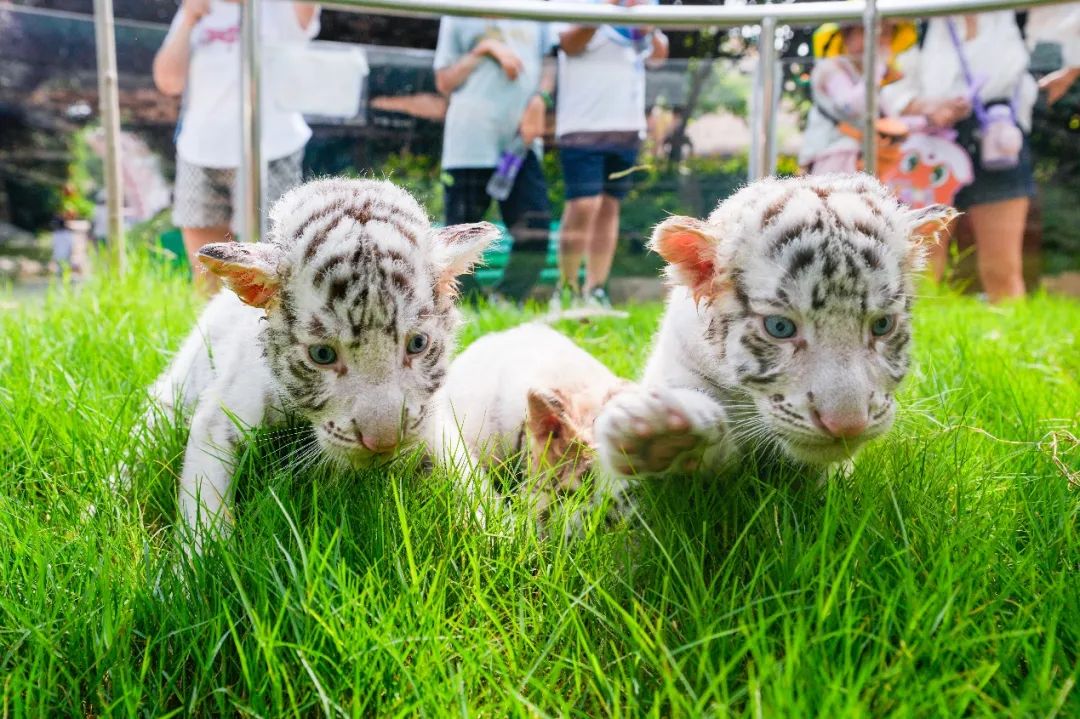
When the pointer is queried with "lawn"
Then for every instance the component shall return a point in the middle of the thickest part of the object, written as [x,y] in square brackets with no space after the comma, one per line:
[940,578]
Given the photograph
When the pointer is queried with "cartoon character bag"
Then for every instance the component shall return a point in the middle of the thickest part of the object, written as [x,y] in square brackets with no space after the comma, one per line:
[932,169]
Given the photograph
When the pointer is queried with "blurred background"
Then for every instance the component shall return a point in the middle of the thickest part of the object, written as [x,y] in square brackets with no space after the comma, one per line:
[695,153]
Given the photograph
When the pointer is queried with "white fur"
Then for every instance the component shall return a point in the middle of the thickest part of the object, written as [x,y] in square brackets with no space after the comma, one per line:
[326,277]
[483,407]
[692,408]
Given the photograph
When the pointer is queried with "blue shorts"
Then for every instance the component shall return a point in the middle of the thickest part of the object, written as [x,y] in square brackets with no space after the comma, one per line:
[588,171]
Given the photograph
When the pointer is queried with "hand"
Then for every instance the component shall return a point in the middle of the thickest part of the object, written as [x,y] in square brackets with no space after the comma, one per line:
[534,120]
[194,10]
[1057,83]
[501,53]
[946,113]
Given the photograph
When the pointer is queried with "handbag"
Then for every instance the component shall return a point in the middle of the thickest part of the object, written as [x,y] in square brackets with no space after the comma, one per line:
[931,170]
[999,135]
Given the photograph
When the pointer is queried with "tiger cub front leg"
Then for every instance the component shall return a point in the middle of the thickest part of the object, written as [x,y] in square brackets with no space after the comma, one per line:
[658,430]
[450,450]
[208,467]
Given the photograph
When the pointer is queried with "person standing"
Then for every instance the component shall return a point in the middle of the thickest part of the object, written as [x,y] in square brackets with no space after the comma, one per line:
[970,74]
[832,141]
[1057,24]
[499,89]
[200,58]
[599,125]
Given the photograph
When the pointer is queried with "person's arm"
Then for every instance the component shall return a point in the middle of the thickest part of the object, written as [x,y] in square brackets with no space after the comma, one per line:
[836,91]
[659,49]
[574,40]
[305,13]
[534,119]
[450,78]
[1057,83]
[547,76]
[171,62]
[939,112]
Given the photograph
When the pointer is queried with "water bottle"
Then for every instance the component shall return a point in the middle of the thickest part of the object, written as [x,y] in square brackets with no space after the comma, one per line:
[502,180]
[1001,140]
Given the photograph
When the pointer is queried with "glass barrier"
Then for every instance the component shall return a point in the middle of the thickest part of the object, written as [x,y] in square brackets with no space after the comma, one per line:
[694,151]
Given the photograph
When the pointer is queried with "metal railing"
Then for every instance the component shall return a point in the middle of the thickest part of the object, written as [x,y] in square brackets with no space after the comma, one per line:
[767,17]
[109,108]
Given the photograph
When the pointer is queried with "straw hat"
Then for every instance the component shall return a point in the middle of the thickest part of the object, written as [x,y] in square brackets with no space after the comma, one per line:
[828,40]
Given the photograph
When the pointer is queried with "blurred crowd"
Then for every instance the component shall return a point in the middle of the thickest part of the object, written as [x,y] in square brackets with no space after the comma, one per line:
[955,95]
[956,102]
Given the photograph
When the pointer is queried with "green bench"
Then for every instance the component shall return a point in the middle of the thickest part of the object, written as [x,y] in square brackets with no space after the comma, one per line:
[495,259]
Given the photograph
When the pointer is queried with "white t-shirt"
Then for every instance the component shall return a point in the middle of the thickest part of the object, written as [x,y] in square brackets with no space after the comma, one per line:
[602,89]
[485,111]
[996,55]
[210,126]
[1060,24]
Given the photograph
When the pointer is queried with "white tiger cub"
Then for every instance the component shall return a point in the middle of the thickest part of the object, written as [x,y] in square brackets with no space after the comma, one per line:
[787,331]
[529,393]
[344,317]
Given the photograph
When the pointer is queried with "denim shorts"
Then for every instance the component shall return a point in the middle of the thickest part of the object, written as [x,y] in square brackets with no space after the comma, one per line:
[992,185]
[588,171]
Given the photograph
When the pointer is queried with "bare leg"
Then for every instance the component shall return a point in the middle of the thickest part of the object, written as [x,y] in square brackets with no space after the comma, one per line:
[194,238]
[601,243]
[999,242]
[577,223]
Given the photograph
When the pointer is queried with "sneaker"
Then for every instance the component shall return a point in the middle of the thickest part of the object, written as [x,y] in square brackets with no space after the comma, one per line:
[499,301]
[598,299]
[562,299]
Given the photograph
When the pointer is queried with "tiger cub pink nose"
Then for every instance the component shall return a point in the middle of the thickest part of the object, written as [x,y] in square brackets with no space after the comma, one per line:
[842,425]
[377,444]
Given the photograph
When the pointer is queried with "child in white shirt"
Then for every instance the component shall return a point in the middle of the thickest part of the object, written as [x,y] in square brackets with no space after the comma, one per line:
[200,59]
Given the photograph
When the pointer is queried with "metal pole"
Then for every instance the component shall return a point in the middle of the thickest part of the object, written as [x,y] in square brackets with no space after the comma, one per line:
[765,130]
[870,78]
[251,170]
[678,16]
[109,104]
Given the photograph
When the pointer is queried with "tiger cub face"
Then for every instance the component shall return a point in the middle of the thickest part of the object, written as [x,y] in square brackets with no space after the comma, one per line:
[358,291]
[806,284]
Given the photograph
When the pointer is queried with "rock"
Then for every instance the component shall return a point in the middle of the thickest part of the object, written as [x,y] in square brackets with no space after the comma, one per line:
[636,289]
[29,268]
[1066,283]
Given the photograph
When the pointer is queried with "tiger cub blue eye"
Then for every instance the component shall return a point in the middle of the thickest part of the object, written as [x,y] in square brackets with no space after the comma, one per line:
[322,354]
[882,325]
[416,343]
[780,327]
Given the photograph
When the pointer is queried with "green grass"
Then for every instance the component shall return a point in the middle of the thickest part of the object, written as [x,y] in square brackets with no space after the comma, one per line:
[941,578]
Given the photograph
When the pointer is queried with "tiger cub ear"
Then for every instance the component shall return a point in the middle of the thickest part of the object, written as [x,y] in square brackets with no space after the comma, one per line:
[250,269]
[925,227]
[550,423]
[457,249]
[926,223]
[691,251]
